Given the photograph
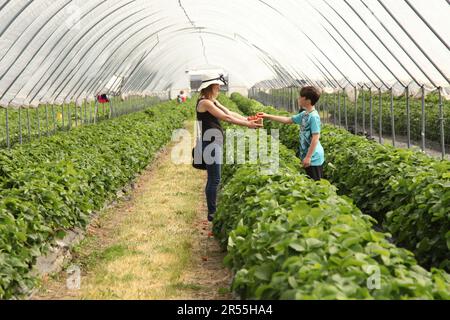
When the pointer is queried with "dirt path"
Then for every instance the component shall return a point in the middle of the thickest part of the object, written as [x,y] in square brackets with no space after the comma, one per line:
[156,245]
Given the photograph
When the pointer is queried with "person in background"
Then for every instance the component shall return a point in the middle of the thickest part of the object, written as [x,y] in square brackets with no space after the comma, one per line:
[183,96]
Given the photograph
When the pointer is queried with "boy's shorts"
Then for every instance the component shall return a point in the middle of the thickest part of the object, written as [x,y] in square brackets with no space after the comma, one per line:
[315,172]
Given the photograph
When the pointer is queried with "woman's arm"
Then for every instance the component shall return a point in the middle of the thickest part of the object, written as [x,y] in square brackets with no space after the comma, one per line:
[227,111]
[221,115]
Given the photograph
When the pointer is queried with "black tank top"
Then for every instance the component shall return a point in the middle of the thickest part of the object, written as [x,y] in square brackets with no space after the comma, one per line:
[208,121]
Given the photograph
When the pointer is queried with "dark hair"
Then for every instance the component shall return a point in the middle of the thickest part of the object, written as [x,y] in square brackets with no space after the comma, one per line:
[310,93]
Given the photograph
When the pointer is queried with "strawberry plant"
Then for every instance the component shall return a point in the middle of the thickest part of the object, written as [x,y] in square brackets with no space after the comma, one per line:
[407,192]
[291,238]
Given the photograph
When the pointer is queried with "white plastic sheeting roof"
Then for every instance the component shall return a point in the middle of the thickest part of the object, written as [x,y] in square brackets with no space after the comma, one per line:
[54,51]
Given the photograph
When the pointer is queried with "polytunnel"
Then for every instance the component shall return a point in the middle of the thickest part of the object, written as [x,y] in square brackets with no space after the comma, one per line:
[56,52]
[382,69]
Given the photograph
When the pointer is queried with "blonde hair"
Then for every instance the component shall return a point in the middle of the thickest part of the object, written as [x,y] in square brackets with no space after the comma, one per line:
[208,92]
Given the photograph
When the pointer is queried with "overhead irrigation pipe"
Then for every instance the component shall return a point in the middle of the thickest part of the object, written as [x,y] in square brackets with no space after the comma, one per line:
[351,47]
[364,42]
[399,44]
[384,44]
[427,24]
[414,41]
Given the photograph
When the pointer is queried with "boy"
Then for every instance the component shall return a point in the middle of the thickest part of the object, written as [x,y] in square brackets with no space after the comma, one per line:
[311,151]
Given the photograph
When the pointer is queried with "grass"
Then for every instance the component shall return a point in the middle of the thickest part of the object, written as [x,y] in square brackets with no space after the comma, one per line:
[147,247]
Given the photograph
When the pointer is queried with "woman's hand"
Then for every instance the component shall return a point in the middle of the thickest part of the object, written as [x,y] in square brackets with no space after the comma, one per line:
[254,124]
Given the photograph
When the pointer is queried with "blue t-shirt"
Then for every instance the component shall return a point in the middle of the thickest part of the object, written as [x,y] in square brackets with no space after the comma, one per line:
[309,125]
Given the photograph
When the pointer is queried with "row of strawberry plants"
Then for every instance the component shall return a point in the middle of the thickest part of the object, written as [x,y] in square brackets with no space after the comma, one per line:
[25,124]
[291,238]
[55,184]
[406,191]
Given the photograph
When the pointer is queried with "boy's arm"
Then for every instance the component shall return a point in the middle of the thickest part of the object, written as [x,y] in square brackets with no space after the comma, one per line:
[314,141]
[285,120]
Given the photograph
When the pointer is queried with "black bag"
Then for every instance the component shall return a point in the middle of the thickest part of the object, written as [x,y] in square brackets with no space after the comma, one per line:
[197,153]
[198,166]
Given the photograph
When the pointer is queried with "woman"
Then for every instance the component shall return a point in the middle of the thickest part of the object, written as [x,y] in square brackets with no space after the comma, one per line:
[209,114]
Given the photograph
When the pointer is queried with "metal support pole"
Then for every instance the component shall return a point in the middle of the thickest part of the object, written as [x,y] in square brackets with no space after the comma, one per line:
[54,118]
[371,112]
[423,118]
[95,111]
[28,124]
[62,123]
[345,111]
[408,117]
[339,105]
[441,121]
[363,110]
[335,108]
[38,122]
[380,129]
[69,118]
[46,119]
[90,111]
[356,110]
[76,115]
[8,143]
[392,117]
[20,125]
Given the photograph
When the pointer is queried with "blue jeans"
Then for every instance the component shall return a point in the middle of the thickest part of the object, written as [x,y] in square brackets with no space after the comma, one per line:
[214,177]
